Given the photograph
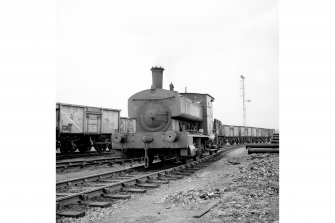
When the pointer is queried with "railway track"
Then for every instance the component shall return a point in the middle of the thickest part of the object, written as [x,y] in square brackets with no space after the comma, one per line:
[65,164]
[103,158]
[60,156]
[119,184]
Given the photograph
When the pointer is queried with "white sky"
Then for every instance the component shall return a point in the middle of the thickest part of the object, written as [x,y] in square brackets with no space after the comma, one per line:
[105,50]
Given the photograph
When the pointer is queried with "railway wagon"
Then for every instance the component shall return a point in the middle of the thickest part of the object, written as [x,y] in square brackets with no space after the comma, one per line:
[236,131]
[229,134]
[248,132]
[266,133]
[261,132]
[253,132]
[241,135]
[242,131]
[127,125]
[217,130]
[168,123]
[81,127]
[123,125]
[217,127]
[231,131]
[226,130]
[131,125]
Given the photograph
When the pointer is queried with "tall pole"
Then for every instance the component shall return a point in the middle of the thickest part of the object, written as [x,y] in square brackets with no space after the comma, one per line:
[244,107]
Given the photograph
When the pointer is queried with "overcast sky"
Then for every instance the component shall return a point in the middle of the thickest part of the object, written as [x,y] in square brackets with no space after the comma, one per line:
[105,50]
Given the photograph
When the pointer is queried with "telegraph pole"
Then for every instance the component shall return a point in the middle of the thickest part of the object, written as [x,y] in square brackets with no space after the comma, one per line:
[244,107]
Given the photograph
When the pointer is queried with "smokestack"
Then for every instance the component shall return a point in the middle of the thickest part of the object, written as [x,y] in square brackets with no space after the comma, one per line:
[157,77]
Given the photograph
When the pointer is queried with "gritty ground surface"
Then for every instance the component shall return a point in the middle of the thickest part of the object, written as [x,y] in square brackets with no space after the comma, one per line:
[243,188]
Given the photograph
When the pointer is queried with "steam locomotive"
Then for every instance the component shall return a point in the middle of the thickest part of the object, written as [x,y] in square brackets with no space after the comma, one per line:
[168,123]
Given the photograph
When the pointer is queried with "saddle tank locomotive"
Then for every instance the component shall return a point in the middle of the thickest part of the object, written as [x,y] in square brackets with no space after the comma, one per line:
[168,123]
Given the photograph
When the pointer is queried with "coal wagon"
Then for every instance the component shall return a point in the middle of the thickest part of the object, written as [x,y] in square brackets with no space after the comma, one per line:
[80,127]
[240,134]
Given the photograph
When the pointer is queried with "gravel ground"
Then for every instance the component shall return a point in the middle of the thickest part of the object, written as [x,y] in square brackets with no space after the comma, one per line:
[245,188]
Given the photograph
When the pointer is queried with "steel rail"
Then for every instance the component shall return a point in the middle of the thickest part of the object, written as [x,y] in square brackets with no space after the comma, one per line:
[106,188]
[88,159]
[100,161]
[60,156]
[97,191]
[85,179]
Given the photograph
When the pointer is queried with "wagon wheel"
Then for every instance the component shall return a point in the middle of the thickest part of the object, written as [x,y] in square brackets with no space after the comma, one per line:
[104,147]
[110,146]
[84,148]
[68,147]
[62,149]
[97,147]
[100,147]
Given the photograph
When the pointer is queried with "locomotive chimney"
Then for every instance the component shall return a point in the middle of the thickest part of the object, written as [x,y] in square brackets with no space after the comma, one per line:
[157,77]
